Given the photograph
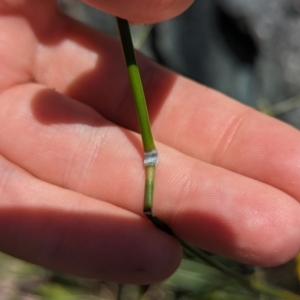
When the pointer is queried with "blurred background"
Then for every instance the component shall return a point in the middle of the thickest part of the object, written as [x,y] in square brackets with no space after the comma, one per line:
[246,49]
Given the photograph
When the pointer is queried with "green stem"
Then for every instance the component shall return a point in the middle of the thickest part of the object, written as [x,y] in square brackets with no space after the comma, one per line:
[136,85]
[150,152]
[149,188]
[150,162]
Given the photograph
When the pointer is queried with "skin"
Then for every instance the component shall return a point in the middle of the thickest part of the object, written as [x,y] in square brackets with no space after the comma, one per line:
[142,11]
[71,173]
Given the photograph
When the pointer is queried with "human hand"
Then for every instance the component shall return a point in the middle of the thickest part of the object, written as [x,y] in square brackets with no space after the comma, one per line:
[72,177]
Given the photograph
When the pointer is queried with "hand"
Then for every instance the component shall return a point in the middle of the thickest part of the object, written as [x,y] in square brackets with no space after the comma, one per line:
[72,177]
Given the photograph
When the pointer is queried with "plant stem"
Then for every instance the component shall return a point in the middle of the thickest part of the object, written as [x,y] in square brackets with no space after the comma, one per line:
[136,85]
[150,152]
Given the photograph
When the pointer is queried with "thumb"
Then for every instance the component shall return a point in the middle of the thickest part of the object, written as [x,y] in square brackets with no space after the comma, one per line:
[142,11]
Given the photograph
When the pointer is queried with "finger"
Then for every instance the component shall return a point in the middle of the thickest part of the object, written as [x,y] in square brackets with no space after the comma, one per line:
[222,132]
[211,127]
[146,11]
[70,145]
[72,233]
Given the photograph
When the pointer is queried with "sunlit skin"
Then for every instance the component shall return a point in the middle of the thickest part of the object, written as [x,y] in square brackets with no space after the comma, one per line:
[71,167]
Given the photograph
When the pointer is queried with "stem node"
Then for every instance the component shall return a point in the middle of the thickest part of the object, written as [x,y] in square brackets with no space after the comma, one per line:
[151,158]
